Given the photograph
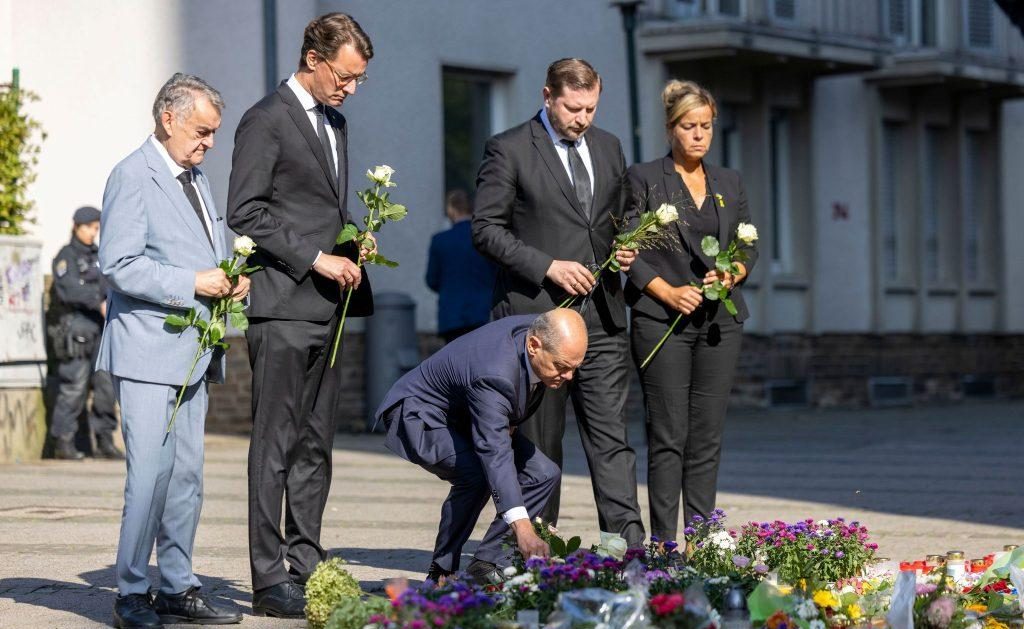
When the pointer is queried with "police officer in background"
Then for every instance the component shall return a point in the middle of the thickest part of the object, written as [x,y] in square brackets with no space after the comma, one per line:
[78,307]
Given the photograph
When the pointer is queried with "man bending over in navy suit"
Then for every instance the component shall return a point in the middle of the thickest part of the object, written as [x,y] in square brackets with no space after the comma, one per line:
[456,414]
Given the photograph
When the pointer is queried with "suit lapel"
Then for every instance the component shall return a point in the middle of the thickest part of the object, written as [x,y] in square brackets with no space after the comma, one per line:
[341,144]
[172,188]
[721,212]
[301,120]
[542,143]
[211,209]
[674,189]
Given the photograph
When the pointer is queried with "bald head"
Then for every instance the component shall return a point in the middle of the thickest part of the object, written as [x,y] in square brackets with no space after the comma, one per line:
[556,344]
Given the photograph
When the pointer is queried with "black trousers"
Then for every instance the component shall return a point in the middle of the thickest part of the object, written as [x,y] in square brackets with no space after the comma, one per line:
[686,392]
[294,408]
[598,392]
[537,477]
[75,377]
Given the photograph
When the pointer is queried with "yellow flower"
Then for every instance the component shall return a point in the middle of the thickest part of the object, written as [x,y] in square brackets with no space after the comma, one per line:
[992,623]
[854,611]
[824,598]
[981,609]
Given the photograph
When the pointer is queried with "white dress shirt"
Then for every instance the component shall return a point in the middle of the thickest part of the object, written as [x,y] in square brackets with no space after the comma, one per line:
[563,150]
[309,103]
[177,170]
[520,513]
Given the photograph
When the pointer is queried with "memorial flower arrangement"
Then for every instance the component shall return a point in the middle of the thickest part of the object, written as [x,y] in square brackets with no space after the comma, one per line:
[784,582]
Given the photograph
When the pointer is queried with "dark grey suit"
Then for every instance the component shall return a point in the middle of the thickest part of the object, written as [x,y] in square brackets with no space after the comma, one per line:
[686,387]
[284,195]
[452,416]
[527,215]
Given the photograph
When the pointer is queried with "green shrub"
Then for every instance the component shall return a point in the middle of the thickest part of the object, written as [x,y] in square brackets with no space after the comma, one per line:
[18,157]
[352,613]
[329,585]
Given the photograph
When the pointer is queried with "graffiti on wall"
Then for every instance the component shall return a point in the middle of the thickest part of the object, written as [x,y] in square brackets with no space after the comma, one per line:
[21,301]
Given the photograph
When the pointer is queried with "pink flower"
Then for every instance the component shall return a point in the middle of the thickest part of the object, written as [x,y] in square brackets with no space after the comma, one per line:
[940,612]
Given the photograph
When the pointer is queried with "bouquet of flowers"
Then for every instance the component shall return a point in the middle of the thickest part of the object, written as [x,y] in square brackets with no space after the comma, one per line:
[211,333]
[649,233]
[725,261]
[380,210]
[822,551]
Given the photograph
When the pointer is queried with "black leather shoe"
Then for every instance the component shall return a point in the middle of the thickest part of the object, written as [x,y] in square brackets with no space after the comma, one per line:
[135,611]
[284,600]
[437,574]
[192,607]
[484,572]
[105,449]
[64,449]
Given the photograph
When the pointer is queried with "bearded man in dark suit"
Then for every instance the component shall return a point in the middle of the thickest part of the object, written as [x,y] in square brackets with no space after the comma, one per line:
[549,195]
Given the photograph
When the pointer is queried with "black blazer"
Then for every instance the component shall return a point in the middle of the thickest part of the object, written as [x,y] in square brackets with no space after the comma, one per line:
[283,195]
[657,182]
[526,215]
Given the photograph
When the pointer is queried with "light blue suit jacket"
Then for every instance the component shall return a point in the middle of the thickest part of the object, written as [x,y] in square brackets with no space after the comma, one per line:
[151,245]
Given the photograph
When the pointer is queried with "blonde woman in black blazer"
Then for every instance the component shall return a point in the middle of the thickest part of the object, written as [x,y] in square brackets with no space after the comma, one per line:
[686,387]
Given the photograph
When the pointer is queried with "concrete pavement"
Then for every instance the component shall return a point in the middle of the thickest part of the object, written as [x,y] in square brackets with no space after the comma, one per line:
[923,480]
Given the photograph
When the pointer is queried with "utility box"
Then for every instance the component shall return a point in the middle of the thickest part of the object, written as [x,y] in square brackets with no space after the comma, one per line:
[392,347]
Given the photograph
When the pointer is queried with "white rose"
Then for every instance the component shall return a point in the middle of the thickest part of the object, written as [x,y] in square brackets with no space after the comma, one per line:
[612,545]
[817,624]
[666,214]
[381,175]
[806,609]
[509,572]
[747,233]
[244,246]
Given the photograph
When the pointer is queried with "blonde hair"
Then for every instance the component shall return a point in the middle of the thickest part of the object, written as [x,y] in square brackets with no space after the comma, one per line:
[681,97]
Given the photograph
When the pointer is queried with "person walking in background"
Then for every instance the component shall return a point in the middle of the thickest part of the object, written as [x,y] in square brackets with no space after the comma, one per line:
[162,242]
[288,192]
[549,194]
[462,278]
[686,386]
[78,304]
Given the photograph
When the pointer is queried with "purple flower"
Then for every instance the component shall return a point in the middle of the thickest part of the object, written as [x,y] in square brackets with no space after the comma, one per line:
[760,568]
[940,612]
[654,539]
[840,554]
[697,519]
[670,546]
[740,561]
[689,531]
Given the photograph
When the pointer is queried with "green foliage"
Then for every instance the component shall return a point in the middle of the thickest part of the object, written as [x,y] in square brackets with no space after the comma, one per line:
[353,613]
[18,158]
[326,588]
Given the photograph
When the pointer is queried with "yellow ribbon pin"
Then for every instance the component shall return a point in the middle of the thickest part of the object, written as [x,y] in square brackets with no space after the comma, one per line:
[721,201]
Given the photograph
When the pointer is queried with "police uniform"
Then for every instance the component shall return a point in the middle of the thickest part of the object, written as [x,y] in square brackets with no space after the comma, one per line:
[79,291]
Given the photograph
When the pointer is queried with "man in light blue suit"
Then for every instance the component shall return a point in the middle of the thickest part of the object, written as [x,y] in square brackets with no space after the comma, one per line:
[162,241]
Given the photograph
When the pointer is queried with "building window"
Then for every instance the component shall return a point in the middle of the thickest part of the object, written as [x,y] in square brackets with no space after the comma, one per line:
[928,15]
[730,8]
[471,109]
[897,16]
[729,137]
[978,14]
[979,210]
[781,202]
[686,8]
[896,207]
[938,203]
[784,9]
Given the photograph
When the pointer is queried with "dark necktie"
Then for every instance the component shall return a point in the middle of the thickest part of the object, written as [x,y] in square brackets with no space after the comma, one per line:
[580,177]
[325,144]
[193,197]
[533,398]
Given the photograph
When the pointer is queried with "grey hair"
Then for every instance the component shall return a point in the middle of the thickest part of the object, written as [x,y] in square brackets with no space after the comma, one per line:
[179,94]
[545,328]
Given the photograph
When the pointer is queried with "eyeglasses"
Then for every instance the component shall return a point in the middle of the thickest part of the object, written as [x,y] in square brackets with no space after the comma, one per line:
[341,79]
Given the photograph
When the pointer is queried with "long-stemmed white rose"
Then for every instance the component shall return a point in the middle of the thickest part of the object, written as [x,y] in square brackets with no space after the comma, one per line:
[380,210]
[725,261]
[649,233]
[211,333]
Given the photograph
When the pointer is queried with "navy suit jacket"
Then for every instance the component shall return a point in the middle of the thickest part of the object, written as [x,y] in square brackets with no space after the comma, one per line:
[475,387]
[462,278]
